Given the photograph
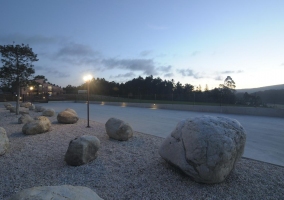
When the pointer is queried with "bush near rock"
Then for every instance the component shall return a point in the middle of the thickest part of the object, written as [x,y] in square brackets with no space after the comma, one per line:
[205,148]
[48,112]
[4,141]
[63,192]
[118,129]
[41,124]
[68,116]
[82,150]
[25,119]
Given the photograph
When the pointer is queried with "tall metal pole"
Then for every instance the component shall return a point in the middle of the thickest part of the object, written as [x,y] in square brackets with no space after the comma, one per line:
[88,103]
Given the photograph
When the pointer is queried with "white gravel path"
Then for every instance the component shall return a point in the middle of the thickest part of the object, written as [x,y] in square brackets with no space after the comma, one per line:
[123,170]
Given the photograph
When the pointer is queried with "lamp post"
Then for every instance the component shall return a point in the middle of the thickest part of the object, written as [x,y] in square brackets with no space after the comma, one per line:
[31,90]
[88,78]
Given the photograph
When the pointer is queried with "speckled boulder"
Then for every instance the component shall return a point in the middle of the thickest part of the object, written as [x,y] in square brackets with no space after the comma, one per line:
[205,148]
[82,150]
[68,116]
[41,124]
[4,141]
[63,192]
[118,129]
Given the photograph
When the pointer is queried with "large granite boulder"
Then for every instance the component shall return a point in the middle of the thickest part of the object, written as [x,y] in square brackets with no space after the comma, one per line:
[68,116]
[82,150]
[39,125]
[39,108]
[48,112]
[118,129]
[4,141]
[205,148]
[62,192]
[25,119]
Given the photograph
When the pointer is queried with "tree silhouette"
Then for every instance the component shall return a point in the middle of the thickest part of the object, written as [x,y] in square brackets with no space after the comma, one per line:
[17,67]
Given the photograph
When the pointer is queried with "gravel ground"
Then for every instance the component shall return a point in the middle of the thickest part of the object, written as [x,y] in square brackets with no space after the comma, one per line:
[130,169]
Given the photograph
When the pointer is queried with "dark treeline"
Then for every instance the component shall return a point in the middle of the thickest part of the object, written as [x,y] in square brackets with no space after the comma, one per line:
[158,89]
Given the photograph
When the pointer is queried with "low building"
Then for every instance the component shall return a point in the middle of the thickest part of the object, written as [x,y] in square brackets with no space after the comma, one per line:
[41,88]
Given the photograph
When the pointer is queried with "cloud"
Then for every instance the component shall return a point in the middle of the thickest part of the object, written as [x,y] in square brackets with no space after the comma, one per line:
[52,72]
[145,65]
[31,40]
[169,75]
[282,64]
[164,69]
[127,75]
[77,50]
[145,53]
[232,72]
[219,78]
[189,72]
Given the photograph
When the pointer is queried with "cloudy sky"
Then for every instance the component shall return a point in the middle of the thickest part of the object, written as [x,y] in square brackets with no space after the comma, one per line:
[196,42]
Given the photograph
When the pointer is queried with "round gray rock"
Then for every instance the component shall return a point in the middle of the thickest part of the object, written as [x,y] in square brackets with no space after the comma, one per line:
[118,129]
[63,192]
[4,141]
[41,124]
[68,116]
[205,148]
[82,150]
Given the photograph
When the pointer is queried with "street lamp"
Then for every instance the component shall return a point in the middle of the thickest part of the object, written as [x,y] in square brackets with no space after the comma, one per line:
[31,90]
[87,79]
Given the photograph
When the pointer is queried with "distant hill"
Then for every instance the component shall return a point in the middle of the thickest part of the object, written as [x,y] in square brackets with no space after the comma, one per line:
[252,90]
[270,94]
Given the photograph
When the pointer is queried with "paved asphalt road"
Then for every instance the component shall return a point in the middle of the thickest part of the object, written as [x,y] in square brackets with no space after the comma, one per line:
[265,135]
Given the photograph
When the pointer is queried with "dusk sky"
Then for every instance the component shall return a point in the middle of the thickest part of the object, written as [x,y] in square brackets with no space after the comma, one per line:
[196,42]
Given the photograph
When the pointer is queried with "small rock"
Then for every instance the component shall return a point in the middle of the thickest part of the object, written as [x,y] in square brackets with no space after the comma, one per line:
[48,112]
[82,150]
[62,192]
[4,141]
[68,116]
[41,124]
[118,129]
[32,107]
[25,119]
[39,108]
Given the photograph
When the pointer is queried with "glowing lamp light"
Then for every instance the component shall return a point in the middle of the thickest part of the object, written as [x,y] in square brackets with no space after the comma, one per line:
[87,78]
